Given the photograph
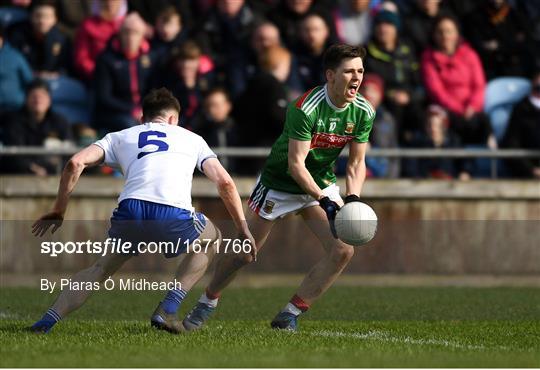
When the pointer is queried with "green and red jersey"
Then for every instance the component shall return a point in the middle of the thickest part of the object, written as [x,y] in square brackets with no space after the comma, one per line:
[313,117]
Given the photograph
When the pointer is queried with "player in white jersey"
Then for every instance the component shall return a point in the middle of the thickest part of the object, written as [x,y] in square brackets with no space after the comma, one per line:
[157,159]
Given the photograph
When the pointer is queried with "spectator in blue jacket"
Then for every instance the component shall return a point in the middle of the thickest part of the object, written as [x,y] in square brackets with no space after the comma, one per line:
[45,47]
[15,75]
[123,74]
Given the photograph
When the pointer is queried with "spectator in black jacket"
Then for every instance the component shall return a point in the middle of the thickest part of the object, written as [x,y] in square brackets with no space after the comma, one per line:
[215,123]
[264,35]
[287,16]
[149,9]
[501,36]
[123,74]
[395,60]
[523,132]
[265,98]
[187,81]
[71,13]
[46,48]
[419,24]
[314,39]
[169,32]
[35,125]
[385,131]
[434,134]
[225,33]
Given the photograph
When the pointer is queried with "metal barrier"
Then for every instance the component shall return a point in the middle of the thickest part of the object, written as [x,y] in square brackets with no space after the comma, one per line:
[241,152]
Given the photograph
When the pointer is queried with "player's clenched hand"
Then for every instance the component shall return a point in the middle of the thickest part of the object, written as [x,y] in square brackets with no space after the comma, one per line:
[54,219]
[246,235]
[330,208]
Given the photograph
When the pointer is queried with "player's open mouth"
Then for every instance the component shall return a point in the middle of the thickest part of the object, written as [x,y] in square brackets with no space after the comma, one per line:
[352,89]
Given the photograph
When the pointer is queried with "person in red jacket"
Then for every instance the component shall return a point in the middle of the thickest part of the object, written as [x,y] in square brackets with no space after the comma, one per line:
[454,79]
[94,33]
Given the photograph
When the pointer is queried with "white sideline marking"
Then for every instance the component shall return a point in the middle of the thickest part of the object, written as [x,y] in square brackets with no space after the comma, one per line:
[386,337]
[5,315]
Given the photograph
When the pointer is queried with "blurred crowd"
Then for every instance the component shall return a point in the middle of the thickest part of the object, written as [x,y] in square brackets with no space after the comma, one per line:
[73,70]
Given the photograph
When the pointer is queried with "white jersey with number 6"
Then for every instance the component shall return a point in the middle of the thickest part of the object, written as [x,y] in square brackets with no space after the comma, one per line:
[157,160]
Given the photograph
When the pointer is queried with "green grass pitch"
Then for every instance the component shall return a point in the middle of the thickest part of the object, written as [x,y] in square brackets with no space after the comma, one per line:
[348,327]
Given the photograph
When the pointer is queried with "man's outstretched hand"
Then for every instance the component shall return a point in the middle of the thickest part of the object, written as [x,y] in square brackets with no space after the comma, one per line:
[54,219]
[330,208]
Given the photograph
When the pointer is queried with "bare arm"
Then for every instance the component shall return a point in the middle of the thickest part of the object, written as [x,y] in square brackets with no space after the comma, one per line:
[229,195]
[356,168]
[298,151]
[227,191]
[89,156]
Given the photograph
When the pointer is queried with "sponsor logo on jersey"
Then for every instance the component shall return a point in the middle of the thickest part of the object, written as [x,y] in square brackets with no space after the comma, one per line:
[329,141]
[349,127]
[268,206]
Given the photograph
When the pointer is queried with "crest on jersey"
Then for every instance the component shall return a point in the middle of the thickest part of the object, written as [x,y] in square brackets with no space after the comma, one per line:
[145,61]
[349,127]
[56,49]
[268,206]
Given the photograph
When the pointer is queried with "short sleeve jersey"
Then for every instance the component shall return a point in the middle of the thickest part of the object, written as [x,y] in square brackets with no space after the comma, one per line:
[312,117]
[157,161]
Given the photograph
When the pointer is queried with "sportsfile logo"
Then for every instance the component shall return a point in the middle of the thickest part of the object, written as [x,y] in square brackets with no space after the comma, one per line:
[110,246]
[120,246]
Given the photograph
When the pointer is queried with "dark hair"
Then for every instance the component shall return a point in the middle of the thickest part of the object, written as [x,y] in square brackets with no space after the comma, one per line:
[38,83]
[157,101]
[438,20]
[167,13]
[39,3]
[188,50]
[335,54]
[217,90]
[312,13]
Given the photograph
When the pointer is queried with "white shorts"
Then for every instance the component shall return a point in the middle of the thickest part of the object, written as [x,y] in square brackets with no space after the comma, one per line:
[272,204]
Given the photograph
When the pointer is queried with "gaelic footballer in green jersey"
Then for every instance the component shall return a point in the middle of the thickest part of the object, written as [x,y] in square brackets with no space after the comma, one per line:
[298,178]
[313,117]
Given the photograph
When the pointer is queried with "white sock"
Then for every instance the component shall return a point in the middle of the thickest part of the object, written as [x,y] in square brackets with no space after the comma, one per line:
[211,302]
[292,309]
